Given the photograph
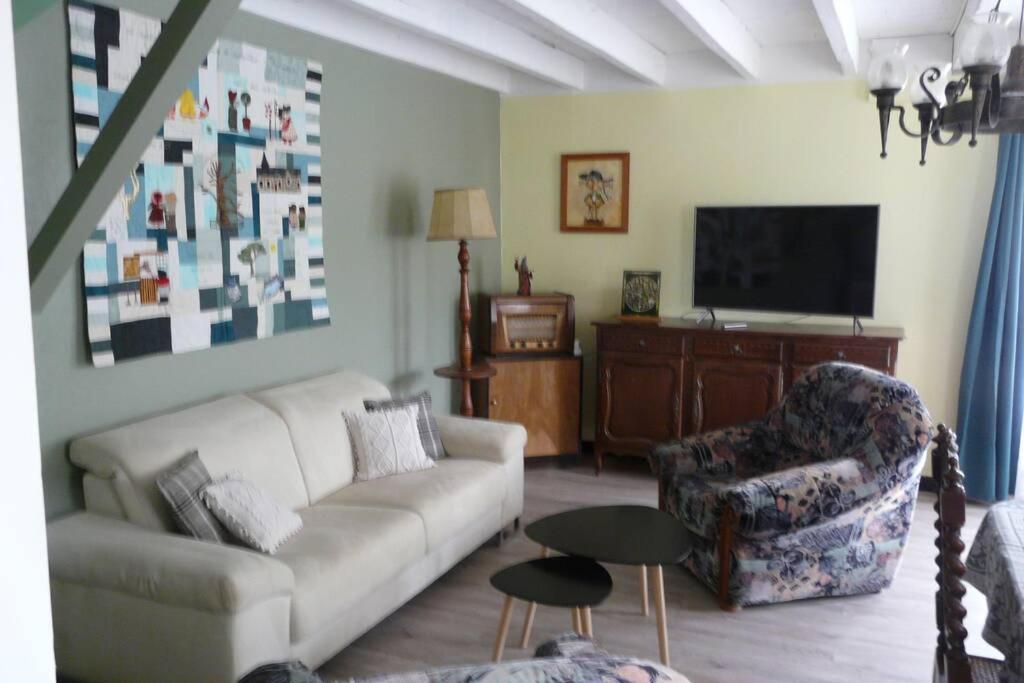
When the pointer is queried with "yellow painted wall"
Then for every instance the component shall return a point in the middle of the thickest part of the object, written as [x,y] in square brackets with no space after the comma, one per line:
[790,144]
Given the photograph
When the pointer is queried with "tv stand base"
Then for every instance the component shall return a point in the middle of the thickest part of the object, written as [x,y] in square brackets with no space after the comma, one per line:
[707,313]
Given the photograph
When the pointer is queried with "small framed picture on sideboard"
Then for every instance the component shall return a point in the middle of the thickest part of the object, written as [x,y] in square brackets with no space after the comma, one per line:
[641,294]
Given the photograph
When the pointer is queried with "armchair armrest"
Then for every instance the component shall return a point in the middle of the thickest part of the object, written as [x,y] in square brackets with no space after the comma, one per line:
[800,497]
[98,552]
[712,453]
[466,437]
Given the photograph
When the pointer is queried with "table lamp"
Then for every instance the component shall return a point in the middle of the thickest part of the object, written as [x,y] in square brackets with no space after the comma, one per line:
[463,214]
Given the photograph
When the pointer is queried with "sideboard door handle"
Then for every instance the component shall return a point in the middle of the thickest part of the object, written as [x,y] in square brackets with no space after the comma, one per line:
[494,401]
[642,343]
[841,355]
[737,349]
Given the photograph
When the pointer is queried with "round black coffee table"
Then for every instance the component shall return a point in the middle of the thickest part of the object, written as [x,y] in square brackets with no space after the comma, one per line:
[574,582]
[620,534]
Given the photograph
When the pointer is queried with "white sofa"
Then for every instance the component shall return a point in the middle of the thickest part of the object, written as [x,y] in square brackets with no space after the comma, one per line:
[133,601]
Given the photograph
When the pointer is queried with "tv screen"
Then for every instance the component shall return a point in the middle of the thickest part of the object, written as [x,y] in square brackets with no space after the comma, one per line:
[792,259]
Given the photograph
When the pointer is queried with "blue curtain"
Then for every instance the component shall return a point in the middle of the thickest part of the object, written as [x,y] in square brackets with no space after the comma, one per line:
[992,380]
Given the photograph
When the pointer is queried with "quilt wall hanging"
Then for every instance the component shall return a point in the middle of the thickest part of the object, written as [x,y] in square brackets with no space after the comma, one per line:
[217,234]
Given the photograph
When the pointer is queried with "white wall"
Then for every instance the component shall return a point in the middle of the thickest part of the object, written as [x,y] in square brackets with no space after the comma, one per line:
[26,637]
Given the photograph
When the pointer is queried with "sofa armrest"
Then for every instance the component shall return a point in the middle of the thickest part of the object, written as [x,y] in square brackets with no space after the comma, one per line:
[466,437]
[89,550]
[800,497]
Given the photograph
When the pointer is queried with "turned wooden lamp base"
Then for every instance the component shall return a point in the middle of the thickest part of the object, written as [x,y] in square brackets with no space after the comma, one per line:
[465,369]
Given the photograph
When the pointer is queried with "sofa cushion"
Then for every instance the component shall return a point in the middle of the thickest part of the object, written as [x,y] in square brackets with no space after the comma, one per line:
[313,411]
[181,486]
[343,553]
[447,498]
[386,443]
[250,514]
[430,434]
[233,433]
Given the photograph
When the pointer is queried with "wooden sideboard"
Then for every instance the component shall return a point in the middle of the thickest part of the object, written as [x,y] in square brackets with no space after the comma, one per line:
[663,380]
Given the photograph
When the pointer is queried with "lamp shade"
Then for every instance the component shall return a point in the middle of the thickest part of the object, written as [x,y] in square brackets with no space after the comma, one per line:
[461,214]
[888,69]
[987,40]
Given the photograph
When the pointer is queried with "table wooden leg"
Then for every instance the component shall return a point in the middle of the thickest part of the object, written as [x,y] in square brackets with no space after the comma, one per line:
[531,610]
[645,608]
[588,623]
[659,608]
[506,617]
[577,621]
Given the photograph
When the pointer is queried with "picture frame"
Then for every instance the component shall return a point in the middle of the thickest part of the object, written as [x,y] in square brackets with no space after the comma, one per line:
[641,295]
[595,193]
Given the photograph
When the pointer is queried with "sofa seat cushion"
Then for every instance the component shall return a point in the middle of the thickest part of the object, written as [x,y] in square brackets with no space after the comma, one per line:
[342,554]
[448,498]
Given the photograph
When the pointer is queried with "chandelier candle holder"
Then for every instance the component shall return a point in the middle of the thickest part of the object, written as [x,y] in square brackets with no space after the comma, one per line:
[995,104]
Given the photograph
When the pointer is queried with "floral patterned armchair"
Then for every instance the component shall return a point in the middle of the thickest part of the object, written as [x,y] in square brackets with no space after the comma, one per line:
[815,500]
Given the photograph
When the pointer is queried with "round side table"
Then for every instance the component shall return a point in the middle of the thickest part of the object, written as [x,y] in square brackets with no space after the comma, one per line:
[620,534]
[573,582]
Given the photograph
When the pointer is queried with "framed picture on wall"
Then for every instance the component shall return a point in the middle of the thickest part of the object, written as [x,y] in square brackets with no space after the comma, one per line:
[595,192]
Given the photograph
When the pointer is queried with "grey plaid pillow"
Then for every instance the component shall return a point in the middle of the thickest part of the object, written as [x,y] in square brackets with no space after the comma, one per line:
[430,436]
[181,485]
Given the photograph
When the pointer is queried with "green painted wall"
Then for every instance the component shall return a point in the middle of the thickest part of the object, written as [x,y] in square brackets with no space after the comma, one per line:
[391,134]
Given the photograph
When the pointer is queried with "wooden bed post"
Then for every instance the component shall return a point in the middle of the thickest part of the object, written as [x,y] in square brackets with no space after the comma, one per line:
[726,530]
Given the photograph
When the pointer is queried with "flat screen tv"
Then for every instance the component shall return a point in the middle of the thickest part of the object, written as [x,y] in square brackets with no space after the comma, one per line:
[791,259]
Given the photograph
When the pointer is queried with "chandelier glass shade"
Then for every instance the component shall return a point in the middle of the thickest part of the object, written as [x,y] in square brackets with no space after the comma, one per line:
[979,101]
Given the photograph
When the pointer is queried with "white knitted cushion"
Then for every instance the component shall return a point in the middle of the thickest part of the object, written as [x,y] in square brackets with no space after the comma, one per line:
[250,513]
[387,442]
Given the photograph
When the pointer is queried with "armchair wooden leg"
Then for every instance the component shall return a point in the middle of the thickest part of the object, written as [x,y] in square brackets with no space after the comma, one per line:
[726,529]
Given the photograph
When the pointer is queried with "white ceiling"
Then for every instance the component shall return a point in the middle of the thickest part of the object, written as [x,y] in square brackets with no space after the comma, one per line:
[520,47]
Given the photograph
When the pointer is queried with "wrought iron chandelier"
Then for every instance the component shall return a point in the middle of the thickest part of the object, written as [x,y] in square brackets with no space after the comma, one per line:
[995,104]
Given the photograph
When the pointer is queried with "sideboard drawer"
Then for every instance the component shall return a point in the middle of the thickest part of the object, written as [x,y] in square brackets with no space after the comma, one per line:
[640,340]
[871,356]
[737,348]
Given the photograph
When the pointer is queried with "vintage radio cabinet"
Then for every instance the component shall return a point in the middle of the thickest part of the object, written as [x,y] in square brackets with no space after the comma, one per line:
[529,341]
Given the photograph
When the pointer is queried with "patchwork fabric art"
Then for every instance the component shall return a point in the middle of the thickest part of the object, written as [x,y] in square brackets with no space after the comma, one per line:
[217,234]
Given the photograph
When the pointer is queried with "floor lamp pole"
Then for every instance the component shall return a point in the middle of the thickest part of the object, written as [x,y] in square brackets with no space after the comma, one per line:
[466,343]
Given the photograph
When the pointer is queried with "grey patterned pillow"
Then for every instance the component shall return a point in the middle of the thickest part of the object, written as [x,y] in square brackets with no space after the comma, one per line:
[181,485]
[430,436]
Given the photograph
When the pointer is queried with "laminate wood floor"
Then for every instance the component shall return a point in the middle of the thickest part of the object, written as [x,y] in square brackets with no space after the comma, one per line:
[885,637]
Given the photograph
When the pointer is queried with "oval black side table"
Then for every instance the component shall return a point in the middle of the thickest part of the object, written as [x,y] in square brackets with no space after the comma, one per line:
[574,582]
[620,534]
